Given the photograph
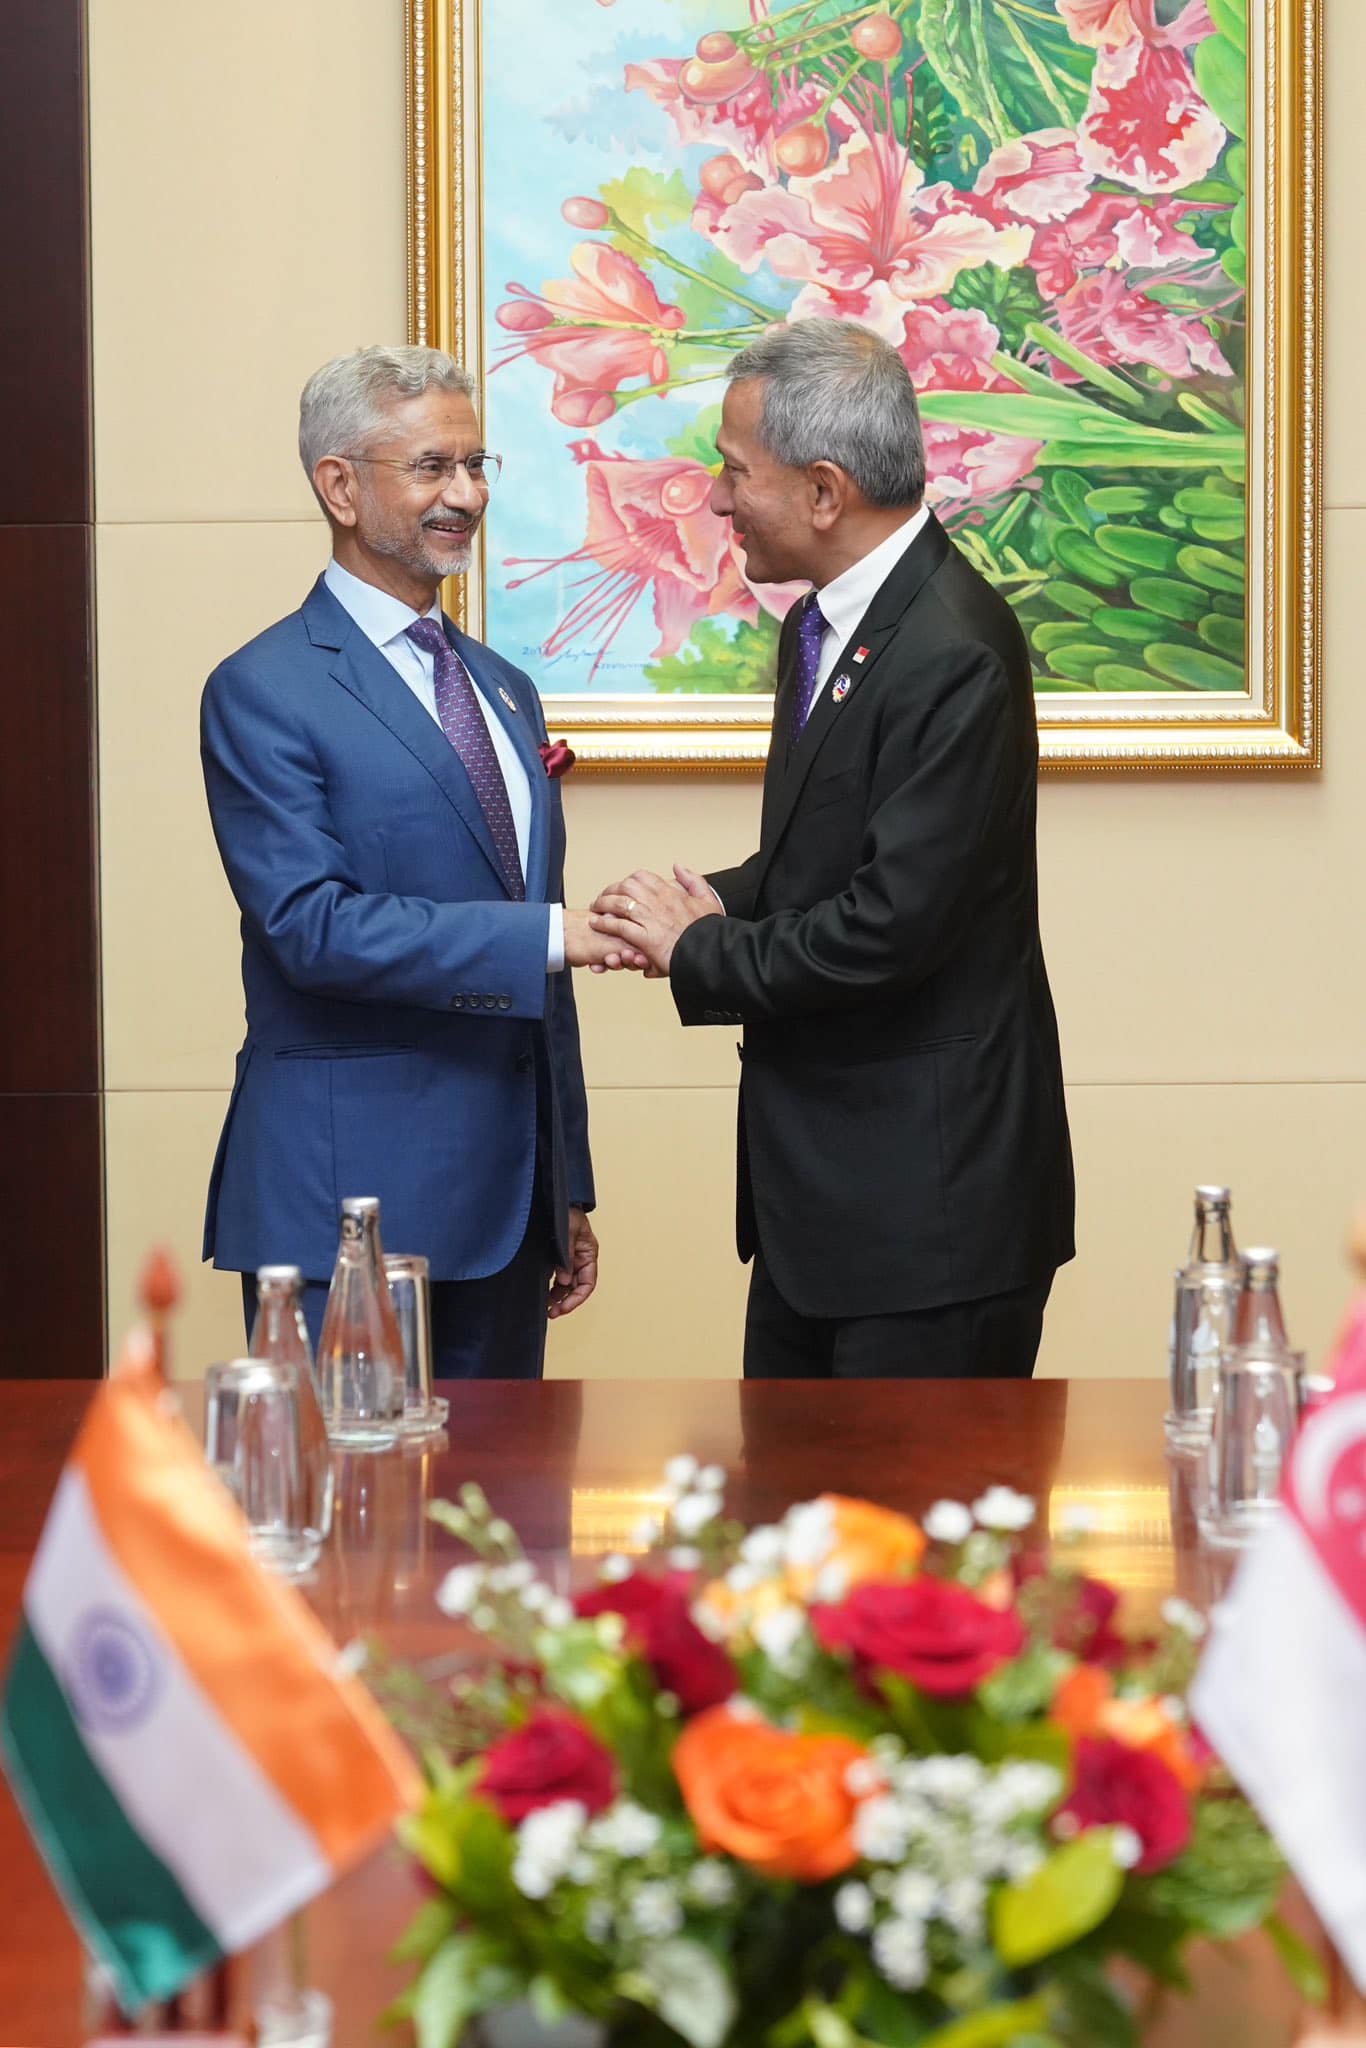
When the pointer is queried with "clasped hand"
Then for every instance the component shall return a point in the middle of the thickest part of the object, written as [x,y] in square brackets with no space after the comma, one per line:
[635,924]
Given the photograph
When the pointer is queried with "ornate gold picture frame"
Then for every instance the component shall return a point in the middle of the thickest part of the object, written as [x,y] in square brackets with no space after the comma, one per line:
[1091,226]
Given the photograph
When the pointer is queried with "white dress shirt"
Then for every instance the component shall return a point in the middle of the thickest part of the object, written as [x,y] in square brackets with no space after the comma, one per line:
[385,620]
[846,598]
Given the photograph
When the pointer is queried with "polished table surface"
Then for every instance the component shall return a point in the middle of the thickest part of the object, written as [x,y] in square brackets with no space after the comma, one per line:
[574,1466]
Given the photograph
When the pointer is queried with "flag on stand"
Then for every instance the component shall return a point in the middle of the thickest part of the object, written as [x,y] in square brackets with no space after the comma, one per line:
[1281,1692]
[190,1763]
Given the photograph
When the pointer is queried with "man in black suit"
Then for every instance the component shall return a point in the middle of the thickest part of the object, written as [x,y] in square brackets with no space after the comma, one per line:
[905,1173]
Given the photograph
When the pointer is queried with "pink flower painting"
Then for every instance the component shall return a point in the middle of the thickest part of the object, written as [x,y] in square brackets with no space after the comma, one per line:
[1047,221]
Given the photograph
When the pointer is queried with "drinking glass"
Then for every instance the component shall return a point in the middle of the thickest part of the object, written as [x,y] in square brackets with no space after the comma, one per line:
[410,1288]
[1256,1414]
[251,1439]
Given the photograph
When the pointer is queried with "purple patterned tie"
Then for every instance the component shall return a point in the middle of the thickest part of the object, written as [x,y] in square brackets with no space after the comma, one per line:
[810,633]
[464,724]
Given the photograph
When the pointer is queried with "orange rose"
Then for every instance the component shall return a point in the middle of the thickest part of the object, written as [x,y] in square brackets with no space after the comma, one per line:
[1085,1705]
[774,1800]
[871,1543]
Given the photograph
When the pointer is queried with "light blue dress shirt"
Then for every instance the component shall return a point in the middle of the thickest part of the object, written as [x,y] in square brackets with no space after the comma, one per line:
[385,620]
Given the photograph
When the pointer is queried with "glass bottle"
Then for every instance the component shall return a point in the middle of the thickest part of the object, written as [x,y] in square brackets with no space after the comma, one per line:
[281,1335]
[1258,1321]
[360,1351]
[1206,1292]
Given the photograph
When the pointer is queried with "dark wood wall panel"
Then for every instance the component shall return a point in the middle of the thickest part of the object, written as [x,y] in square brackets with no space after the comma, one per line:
[52,1229]
[51,1167]
[50,1041]
[44,316]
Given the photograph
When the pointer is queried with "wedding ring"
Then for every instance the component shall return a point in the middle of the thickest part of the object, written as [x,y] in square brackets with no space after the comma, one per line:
[630,906]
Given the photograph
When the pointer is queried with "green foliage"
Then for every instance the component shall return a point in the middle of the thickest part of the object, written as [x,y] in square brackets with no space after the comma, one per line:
[687,1987]
[931,126]
[1025,1686]
[1010,299]
[646,201]
[696,442]
[715,661]
[1071,1893]
[1005,79]
[468,1974]
[999,2026]
[1228,1879]
[1086,2011]
[1303,1965]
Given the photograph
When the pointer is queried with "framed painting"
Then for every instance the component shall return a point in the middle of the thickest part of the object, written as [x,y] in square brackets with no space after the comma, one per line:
[1090,227]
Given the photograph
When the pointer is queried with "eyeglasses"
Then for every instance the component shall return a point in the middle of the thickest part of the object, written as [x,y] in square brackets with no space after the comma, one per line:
[481,468]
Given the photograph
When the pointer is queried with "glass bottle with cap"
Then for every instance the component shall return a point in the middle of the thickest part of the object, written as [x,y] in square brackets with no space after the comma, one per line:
[1257,1409]
[1258,1319]
[360,1350]
[281,1335]
[1202,1320]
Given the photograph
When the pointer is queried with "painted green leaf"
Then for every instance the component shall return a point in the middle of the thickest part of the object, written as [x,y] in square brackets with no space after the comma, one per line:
[1225,636]
[1007,78]
[1070,493]
[1221,74]
[1051,633]
[1065,1898]
[1194,668]
[1173,600]
[1071,597]
[1114,499]
[1136,627]
[714,660]
[1199,503]
[1080,663]
[1230,19]
[1138,548]
[1084,558]
[646,200]
[1121,678]
[1212,568]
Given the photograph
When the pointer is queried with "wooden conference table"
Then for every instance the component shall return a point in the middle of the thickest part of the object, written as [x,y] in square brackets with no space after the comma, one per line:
[573,1465]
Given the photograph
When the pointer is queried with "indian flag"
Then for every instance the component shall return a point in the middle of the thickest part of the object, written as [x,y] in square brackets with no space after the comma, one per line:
[187,1756]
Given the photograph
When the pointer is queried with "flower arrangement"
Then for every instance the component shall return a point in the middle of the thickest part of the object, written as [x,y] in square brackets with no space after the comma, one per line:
[846,1780]
[1041,204]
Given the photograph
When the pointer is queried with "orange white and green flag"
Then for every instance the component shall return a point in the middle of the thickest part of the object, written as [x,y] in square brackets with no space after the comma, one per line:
[190,1762]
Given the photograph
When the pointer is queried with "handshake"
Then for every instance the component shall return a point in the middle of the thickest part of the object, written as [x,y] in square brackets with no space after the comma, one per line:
[635,924]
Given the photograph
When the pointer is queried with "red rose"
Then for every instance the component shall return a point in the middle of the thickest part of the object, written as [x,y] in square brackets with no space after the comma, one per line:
[659,1626]
[558,757]
[554,1757]
[1116,1786]
[931,1631]
[1085,1624]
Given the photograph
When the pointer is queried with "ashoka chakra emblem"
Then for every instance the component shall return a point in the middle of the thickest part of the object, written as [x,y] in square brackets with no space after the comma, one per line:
[114,1674]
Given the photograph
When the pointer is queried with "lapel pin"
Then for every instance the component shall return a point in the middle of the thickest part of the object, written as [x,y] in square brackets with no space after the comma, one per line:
[506,699]
[860,654]
[841,689]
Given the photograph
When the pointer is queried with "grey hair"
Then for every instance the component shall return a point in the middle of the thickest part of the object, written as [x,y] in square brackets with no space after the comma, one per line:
[345,403]
[839,393]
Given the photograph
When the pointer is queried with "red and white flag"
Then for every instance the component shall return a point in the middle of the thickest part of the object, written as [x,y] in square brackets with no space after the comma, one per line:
[1282,1690]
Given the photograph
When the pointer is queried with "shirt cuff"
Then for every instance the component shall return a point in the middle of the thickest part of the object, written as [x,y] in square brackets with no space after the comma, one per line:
[719,904]
[554,956]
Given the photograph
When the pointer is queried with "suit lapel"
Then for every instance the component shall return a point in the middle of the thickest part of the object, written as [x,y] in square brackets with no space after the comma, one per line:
[360,668]
[514,714]
[875,631]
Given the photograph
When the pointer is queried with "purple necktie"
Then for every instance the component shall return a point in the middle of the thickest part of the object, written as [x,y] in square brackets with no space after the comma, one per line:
[810,633]
[464,724]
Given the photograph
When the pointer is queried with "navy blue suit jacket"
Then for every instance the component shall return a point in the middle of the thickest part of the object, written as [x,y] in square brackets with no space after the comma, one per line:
[400,1020]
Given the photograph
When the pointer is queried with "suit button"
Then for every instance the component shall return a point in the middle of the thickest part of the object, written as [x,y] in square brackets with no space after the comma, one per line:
[490,1002]
[505,1002]
[457,1002]
[524,1062]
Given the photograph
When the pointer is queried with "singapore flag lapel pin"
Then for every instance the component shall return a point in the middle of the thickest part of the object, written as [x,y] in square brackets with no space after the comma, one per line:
[861,653]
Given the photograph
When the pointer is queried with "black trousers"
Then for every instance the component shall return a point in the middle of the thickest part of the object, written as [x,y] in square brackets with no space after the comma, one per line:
[491,1329]
[996,1338]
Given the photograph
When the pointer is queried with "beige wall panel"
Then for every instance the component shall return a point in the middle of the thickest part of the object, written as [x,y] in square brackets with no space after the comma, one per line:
[1344,443]
[158,1150]
[670,1304]
[247,195]
[1293,1157]
[172,991]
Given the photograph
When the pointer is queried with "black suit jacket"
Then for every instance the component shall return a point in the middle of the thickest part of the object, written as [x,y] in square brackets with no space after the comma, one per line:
[903,1134]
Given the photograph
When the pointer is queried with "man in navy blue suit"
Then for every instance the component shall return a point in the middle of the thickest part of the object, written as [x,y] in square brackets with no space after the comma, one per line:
[396,848]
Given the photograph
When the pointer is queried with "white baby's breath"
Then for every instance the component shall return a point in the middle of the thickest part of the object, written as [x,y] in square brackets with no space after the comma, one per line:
[692,1514]
[685,1557]
[764,1548]
[899,1952]
[557,1612]
[655,1910]
[1001,1508]
[459,1591]
[615,1568]
[880,1830]
[779,1633]
[712,1479]
[1127,1847]
[626,1830]
[710,1884]
[914,1894]
[809,1534]
[547,1846]
[646,1532]
[1179,1614]
[948,1521]
[680,1472]
[853,1904]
